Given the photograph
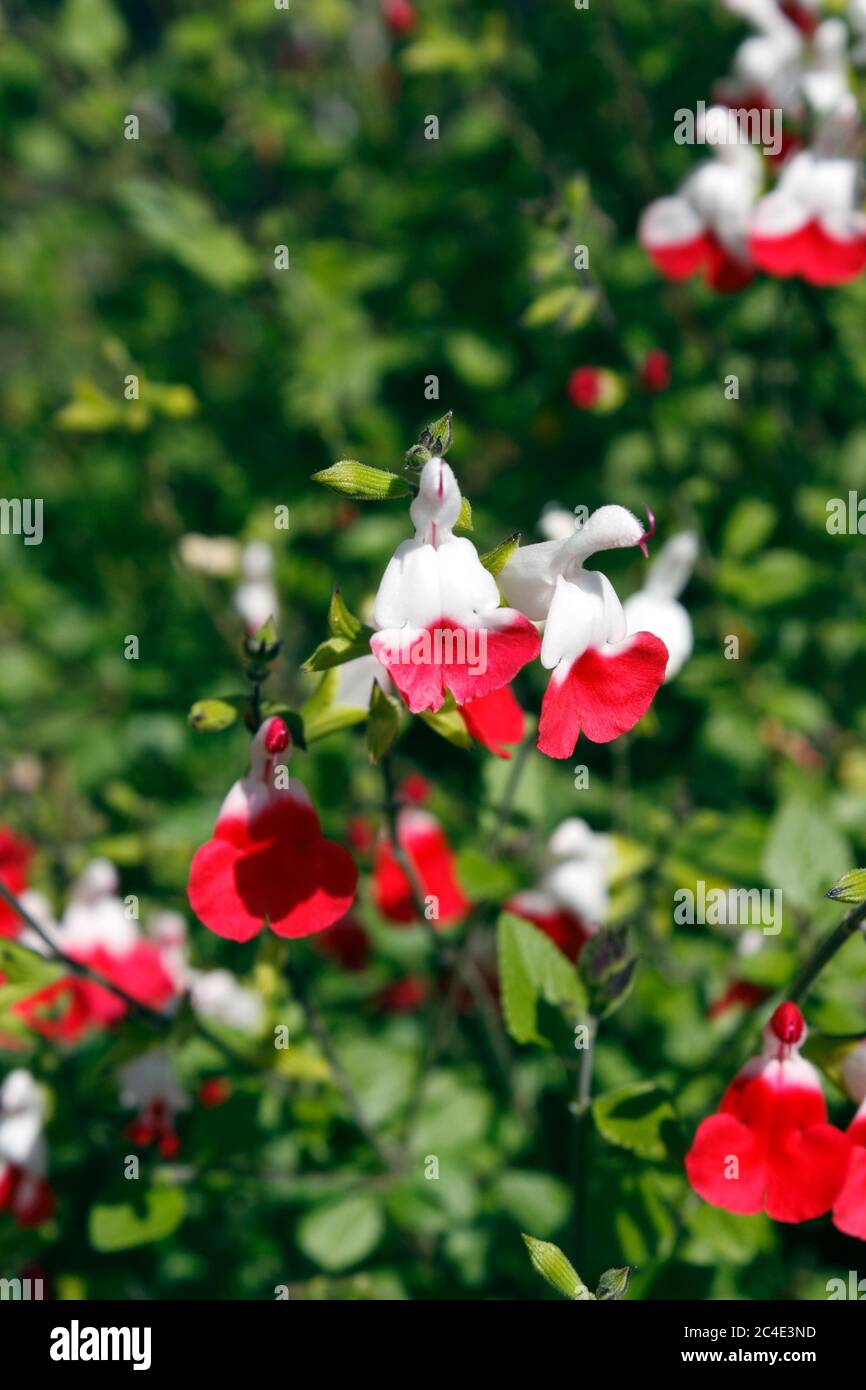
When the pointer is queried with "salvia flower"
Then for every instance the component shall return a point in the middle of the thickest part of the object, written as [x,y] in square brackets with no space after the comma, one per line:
[426,846]
[603,679]
[149,1086]
[268,860]
[15,856]
[24,1190]
[769,1147]
[572,898]
[656,608]
[97,930]
[437,614]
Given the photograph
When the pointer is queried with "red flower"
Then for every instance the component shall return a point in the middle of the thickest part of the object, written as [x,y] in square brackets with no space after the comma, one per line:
[655,372]
[415,789]
[27,1197]
[494,720]
[769,1147]
[15,855]
[584,387]
[399,15]
[849,1209]
[424,842]
[404,996]
[347,943]
[739,994]
[268,860]
[567,930]
[214,1091]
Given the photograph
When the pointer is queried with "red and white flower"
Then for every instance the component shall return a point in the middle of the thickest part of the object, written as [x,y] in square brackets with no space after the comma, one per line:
[706,225]
[437,614]
[99,931]
[149,1086]
[24,1189]
[769,1147]
[426,846]
[572,899]
[15,856]
[603,679]
[813,224]
[655,607]
[268,860]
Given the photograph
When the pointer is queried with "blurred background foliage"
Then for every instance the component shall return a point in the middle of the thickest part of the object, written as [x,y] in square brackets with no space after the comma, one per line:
[409,257]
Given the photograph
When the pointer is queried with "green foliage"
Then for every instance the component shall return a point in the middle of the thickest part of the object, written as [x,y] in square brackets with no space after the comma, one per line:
[410,259]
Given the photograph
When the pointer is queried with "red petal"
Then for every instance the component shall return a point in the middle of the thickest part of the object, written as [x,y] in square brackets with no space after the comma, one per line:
[495,720]
[496,657]
[602,696]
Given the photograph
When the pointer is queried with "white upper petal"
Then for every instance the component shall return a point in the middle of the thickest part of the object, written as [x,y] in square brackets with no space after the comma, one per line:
[355,681]
[423,583]
[435,510]
[669,222]
[585,612]
[666,619]
[609,528]
[672,567]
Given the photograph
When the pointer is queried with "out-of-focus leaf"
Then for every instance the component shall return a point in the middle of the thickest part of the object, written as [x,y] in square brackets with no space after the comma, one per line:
[151,1216]
[342,1233]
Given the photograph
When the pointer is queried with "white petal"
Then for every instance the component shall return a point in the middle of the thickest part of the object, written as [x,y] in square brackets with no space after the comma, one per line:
[609,528]
[436,508]
[529,578]
[667,620]
[585,612]
[409,591]
[355,681]
[672,567]
[668,222]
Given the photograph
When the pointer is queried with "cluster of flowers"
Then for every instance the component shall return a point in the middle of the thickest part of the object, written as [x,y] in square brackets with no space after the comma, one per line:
[98,932]
[724,221]
[769,1146]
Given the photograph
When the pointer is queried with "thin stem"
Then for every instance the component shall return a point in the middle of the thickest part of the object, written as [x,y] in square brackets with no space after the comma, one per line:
[581,1138]
[318,1029]
[825,951]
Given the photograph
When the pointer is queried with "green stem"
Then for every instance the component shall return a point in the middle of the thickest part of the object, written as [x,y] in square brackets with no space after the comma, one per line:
[825,951]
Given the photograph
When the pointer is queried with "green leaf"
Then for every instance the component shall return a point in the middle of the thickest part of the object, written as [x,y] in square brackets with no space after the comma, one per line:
[212,716]
[484,879]
[538,1200]
[181,222]
[531,968]
[568,307]
[124,1225]
[362,482]
[556,1268]
[851,888]
[613,1283]
[343,1232]
[448,723]
[464,520]
[495,560]
[335,651]
[804,851]
[18,966]
[383,725]
[639,1117]
[341,622]
[321,716]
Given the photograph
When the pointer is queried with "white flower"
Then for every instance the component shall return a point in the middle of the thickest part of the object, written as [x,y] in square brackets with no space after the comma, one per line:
[654,608]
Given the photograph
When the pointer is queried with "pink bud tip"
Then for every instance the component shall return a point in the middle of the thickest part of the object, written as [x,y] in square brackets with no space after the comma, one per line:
[647,535]
[277,737]
[788,1023]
